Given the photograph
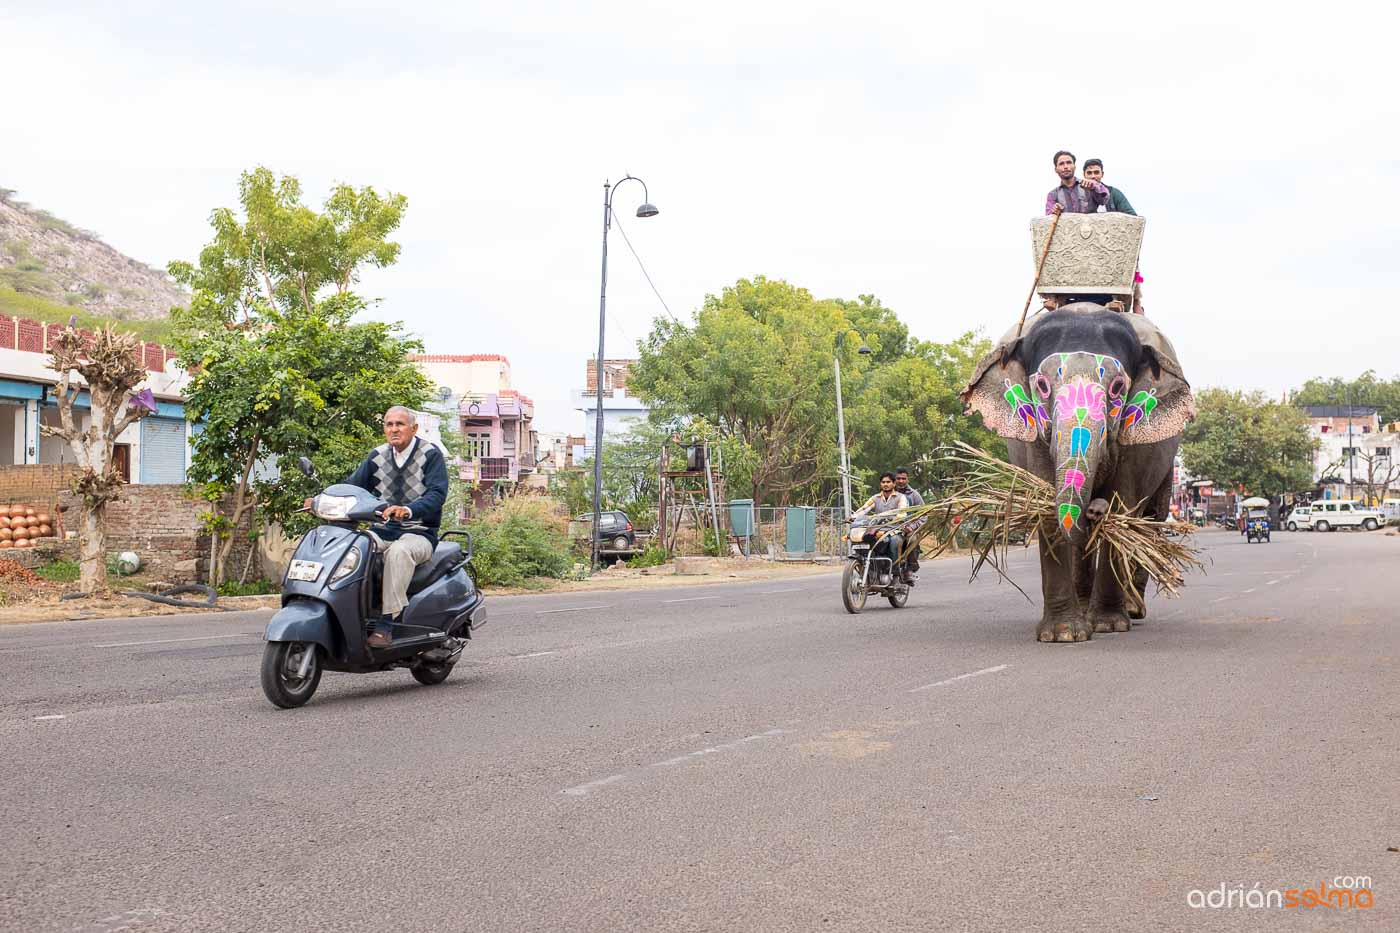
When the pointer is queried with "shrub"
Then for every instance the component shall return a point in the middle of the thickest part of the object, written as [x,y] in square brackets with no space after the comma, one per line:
[251,588]
[519,539]
[18,250]
[654,556]
[60,571]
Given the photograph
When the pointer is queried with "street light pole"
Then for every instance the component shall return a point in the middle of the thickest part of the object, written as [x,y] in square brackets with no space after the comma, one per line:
[841,439]
[1351,452]
[646,210]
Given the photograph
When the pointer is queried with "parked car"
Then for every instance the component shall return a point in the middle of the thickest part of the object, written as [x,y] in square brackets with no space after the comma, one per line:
[1301,517]
[1331,514]
[615,531]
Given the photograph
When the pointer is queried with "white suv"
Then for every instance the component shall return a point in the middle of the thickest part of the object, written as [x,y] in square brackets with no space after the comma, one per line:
[1329,514]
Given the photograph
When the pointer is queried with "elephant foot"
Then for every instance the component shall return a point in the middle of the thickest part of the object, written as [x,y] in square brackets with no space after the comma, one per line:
[1111,620]
[1137,613]
[1063,629]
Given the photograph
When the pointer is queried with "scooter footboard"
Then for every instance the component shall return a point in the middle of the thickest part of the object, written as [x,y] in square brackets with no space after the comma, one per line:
[306,620]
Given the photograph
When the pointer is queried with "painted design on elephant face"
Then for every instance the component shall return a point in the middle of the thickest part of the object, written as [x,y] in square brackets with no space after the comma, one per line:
[1020,403]
[1140,408]
[1089,391]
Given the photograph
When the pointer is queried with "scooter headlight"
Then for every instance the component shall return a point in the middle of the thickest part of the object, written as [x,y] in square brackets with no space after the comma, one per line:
[332,508]
[348,564]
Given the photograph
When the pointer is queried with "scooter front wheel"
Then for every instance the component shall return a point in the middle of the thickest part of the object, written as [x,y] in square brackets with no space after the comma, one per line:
[283,679]
[429,674]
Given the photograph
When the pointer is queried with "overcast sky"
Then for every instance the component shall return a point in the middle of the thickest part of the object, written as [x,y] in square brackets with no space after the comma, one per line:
[849,148]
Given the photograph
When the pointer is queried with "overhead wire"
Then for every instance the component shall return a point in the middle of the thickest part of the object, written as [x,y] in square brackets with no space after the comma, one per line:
[641,265]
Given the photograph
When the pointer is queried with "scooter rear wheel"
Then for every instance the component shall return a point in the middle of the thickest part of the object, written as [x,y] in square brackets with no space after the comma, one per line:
[280,663]
[429,674]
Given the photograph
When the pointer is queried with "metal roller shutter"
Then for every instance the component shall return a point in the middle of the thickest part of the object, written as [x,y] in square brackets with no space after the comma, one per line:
[162,450]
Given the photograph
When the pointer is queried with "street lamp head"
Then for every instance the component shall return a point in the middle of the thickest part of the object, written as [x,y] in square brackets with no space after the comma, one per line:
[647,210]
[865,350]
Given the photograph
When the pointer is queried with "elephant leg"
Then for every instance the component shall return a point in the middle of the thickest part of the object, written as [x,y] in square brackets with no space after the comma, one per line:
[1060,570]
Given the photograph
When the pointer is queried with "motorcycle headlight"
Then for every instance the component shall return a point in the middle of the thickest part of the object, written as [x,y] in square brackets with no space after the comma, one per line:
[332,508]
[857,535]
[348,564]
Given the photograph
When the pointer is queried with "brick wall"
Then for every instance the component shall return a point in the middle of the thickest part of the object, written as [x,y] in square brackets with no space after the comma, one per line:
[158,521]
[42,483]
[615,374]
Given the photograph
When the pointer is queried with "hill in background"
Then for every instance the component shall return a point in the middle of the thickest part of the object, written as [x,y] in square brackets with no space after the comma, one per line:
[51,270]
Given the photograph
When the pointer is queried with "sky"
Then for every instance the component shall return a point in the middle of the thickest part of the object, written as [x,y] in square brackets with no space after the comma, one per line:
[889,149]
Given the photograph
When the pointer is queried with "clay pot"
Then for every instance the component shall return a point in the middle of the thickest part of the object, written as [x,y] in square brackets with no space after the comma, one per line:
[44,518]
[5,510]
[24,542]
[28,512]
[5,545]
[6,534]
[31,521]
[4,521]
[20,533]
[45,531]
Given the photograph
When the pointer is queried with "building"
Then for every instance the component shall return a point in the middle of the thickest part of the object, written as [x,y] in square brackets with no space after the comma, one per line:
[153,450]
[495,422]
[1354,449]
[621,410]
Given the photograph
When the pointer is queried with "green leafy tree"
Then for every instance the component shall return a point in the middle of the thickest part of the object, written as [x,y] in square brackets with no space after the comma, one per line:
[756,366]
[1366,389]
[1245,440]
[905,410]
[280,368]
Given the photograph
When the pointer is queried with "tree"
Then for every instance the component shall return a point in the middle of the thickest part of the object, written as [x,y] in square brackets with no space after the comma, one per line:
[756,365]
[110,366]
[1246,440]
[907,409]
[279,366]
[1382,472]
[1367,389]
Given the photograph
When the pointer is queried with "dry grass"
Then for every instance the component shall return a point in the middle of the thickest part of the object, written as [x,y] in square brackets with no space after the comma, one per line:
[1004,505]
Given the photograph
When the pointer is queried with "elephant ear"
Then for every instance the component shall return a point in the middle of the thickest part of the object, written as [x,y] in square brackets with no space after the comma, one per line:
[1160,401]
[998,392]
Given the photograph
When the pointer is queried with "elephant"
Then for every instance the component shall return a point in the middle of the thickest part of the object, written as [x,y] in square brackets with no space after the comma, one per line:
[1093,401]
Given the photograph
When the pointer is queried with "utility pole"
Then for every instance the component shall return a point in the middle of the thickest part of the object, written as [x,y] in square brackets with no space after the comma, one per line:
[841,439]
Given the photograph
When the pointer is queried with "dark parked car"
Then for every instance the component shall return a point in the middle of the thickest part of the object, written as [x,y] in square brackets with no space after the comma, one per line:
[614,530]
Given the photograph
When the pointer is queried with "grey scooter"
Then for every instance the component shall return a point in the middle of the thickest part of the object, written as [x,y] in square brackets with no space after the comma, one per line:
[332,591]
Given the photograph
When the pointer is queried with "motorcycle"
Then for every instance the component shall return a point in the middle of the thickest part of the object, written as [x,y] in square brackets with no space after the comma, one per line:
[332,592]
[873,568]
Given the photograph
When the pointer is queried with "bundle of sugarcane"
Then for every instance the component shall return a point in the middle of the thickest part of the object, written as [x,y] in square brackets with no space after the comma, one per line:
[993,504]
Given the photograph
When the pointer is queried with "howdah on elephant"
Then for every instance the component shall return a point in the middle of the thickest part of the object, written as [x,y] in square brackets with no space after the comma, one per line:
[1094,402]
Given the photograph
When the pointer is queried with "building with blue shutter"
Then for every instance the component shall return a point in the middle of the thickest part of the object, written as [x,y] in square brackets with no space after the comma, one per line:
[153,450]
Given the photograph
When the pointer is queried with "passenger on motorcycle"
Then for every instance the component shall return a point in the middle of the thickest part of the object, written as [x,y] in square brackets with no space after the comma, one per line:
[901,486]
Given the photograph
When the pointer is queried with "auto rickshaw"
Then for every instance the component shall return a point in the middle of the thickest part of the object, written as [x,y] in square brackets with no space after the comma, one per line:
[1254,514]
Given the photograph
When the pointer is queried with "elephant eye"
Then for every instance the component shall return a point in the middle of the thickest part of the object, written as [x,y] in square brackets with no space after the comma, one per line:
[1119,386]
[1040,385]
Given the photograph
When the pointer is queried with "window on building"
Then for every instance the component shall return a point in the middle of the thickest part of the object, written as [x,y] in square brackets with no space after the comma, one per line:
[1325,428]
[1383,453]
[476,445]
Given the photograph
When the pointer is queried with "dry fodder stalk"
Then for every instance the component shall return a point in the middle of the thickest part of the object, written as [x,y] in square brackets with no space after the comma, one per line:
[994,504]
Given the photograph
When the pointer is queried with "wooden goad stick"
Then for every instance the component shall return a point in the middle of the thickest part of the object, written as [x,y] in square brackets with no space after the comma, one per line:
[1038,270]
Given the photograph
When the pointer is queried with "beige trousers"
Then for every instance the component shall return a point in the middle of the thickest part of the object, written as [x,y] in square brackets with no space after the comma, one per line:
[401,557]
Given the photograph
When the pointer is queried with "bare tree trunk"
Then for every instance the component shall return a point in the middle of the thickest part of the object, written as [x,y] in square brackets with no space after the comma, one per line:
[92,546]
[248,564]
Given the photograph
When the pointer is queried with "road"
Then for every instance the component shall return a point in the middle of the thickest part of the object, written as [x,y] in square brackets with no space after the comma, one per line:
[731,757]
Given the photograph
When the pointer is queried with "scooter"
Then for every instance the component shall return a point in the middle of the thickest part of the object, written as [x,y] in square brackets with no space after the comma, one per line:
[332,592]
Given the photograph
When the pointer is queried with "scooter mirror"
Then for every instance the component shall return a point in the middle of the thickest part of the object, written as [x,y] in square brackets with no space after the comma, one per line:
[305,466]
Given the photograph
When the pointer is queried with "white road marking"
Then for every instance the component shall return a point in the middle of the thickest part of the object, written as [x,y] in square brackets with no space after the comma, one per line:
[1220,600]
[166,641]
[1251,589]
[583,790]
[793,589]
[47,718]
[689,599]
[1271,582]
[941,683]
[545,612]
[533,654]
[713,749]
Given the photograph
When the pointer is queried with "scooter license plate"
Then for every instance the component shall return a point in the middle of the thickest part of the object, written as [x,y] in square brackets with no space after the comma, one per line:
[304,570]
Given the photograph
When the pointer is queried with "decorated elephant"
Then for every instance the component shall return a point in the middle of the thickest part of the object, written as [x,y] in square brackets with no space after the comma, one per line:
[1093,401]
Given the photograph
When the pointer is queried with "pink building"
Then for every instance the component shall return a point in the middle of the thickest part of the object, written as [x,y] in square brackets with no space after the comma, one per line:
[494,420]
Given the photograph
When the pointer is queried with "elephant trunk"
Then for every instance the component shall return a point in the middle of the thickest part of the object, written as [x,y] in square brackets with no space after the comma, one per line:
[1079,452]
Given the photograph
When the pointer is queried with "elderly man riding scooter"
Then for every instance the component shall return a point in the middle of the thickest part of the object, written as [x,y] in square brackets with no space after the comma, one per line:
[411,475]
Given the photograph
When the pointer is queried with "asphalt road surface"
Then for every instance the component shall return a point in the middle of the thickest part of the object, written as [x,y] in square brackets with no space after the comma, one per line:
[733,757]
